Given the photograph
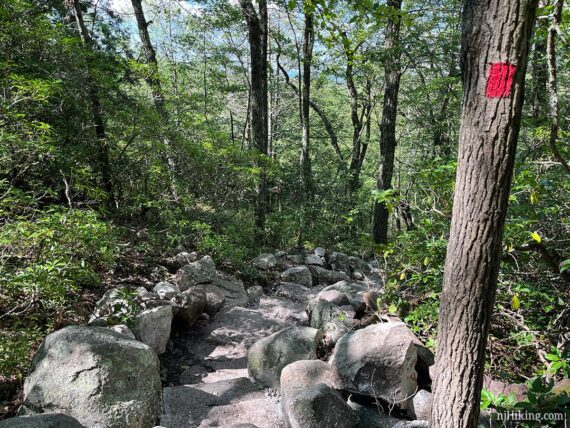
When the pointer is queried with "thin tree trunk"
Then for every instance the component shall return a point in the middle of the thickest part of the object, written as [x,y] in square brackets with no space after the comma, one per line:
[317,109]
[495,46]
[388,125]
[308,43]
[153,81]
[539,71]
[258,36]
[552,83]
[103,156]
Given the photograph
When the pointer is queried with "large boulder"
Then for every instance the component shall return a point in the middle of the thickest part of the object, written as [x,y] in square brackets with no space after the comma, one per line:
[152,327]
[299,275]
[265,261]
[324,276]
[348,288]
[97,376]
[199,272]
[267,357]
[44,420]
[378,361]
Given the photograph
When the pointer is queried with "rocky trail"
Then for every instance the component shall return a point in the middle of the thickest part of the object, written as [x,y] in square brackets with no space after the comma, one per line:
[310,349]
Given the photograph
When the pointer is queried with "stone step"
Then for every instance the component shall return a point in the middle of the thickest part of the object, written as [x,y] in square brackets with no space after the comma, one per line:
[209,404]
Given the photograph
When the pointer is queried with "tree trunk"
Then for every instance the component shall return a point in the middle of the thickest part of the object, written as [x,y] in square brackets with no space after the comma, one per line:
[103,157]
[258,37]
[308,43]
[552,83]
[495,46]
[153,80]
[388,125]
[539,76]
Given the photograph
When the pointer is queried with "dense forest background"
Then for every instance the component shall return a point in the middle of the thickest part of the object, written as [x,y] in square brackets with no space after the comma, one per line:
[92,200]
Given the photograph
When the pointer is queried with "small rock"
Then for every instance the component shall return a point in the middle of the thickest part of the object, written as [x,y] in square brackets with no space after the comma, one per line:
[159,273]
[267,357]
[324,276]
[295,292]
[123,329]
[143,295]
[299,275]
[318,406]
[420,406]
[320,252]
[191,304]
[254,293]
[347,287]
[199,272]
[359,276]
[265,261]
[339,262]
[331,320]
[165,290]
[314,260]
[333,296]
[214,302]
[43,420]
[152,327]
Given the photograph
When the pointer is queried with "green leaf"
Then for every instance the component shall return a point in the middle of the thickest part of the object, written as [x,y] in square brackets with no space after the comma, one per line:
[515,303]
[393,309]
[536,237]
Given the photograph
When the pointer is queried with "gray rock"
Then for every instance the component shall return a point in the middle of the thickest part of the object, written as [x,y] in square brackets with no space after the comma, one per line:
[295,259]
[143,295]
[320,251]
[314,260]
[296,292]
[184,258]
[191,304]
[318,406]
[152,327]
[214,302]
[299,275]
[199,272]
[112,303]
[378,361]
[420,406]
[357,264]
[97,376]
[324,276]
[331,320]
[254,293]
[351,289]
[333,296]
[44,420]
[123,329]
[267,357]
[265,261]
[230,288]
[165,290]
[339,262]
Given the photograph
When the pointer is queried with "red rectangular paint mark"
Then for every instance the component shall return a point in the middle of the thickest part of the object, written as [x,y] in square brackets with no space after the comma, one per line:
[500,80]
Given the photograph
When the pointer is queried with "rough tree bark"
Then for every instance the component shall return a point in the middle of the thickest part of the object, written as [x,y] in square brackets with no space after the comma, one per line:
[552,83]
[308,43]
[388,125]
[103,156]
[539,71]
[257,24]
[495,44]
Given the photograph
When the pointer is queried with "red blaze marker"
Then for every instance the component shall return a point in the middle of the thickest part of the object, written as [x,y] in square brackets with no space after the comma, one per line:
[500,80]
